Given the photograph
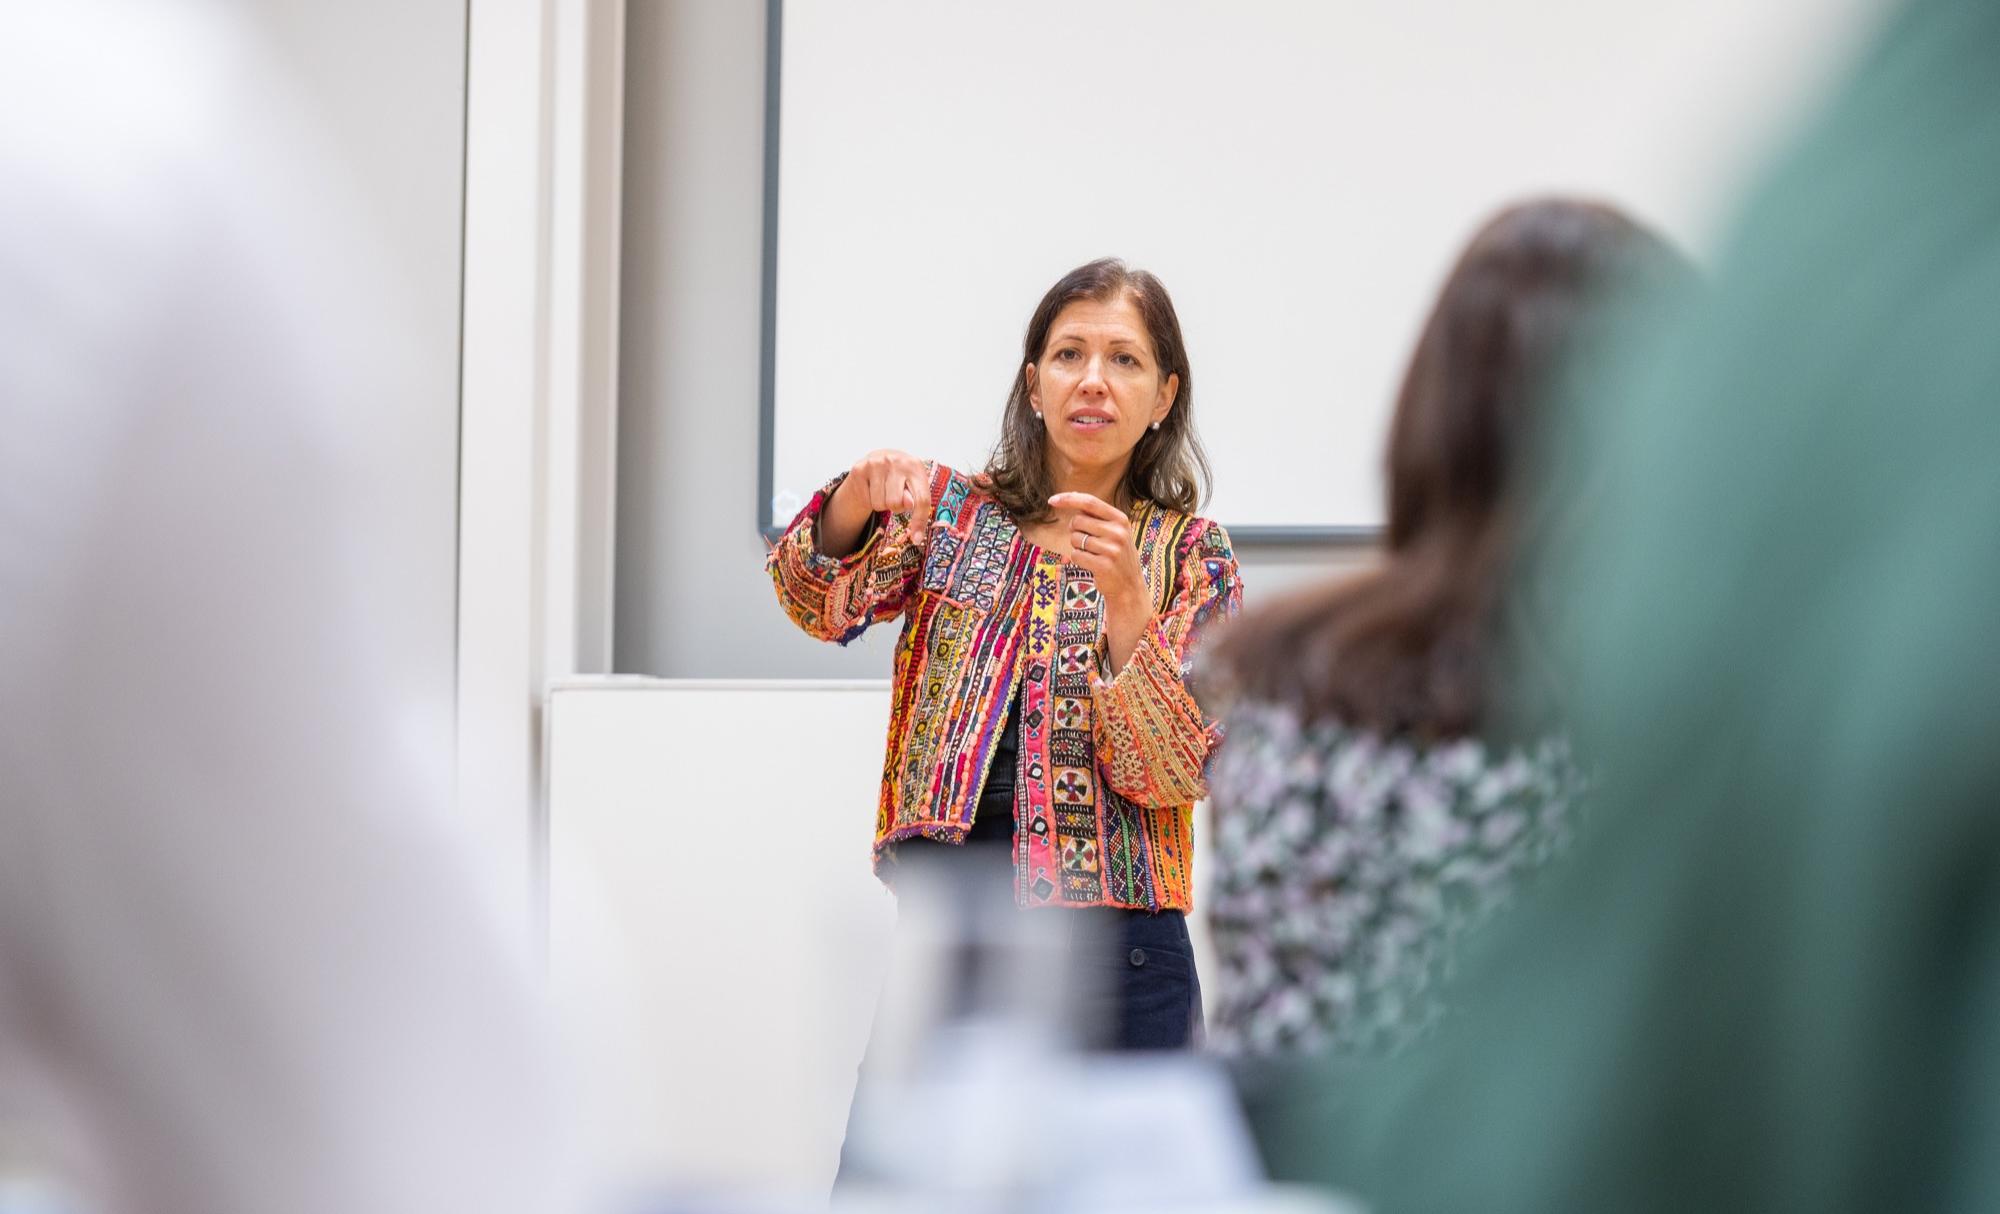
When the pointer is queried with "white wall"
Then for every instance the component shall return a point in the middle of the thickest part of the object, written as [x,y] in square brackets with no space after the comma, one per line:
[730,977]
[692,600]
[383,82]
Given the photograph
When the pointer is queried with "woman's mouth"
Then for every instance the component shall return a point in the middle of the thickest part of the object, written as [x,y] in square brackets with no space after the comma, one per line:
[1089,421]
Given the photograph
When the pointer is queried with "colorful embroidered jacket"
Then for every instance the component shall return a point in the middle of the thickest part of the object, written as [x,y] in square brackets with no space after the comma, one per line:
[1110,768]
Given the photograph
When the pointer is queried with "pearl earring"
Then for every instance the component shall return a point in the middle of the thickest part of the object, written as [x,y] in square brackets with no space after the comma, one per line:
[1038,415]
[1156,425]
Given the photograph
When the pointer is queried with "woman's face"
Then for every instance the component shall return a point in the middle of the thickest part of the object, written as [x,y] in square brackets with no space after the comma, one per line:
[1098,385]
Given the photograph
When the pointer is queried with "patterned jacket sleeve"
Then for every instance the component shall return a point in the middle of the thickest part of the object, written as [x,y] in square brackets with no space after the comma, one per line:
[1152,739]
[836,599]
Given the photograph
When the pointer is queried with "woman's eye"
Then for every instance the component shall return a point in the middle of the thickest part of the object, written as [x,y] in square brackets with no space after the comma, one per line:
[1126,360]
[1066,355]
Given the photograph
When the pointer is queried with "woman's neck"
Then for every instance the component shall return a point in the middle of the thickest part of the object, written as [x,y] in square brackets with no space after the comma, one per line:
[1104,484]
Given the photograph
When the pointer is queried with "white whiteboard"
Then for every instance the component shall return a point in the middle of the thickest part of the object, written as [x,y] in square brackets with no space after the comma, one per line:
[1300,173]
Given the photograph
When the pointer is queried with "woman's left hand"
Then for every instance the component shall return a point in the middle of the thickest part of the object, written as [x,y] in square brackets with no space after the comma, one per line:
[1101,541]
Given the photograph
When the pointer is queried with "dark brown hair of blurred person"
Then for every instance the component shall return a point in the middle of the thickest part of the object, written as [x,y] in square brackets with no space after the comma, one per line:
[1403,649]
[1168,466]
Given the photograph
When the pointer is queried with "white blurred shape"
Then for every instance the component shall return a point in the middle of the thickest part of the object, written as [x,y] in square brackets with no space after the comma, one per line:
[247,960]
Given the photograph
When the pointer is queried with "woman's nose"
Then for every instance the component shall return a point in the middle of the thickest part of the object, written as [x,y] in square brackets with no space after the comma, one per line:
[1093,377]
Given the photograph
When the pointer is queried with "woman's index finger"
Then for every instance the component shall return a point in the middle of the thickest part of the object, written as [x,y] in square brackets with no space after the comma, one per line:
[917,496]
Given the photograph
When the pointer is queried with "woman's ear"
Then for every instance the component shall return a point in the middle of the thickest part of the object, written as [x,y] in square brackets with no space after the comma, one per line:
[1033,396]
[1169,392]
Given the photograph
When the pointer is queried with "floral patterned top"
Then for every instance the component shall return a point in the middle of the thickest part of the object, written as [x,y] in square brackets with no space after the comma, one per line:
[1346,866]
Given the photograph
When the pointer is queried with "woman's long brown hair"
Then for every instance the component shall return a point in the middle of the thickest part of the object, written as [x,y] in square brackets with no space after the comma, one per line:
[1404,649]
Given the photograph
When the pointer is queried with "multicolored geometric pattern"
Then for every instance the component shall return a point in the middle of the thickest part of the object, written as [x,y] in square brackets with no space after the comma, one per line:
[1110,766]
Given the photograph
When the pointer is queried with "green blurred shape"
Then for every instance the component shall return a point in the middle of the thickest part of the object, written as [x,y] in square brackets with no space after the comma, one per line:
[1768,976]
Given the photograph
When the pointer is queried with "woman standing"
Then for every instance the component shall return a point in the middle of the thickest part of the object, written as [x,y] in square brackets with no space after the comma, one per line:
[1040,729]
[1372,802]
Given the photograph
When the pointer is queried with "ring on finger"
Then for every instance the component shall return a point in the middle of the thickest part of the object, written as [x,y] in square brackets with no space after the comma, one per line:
[1082,542]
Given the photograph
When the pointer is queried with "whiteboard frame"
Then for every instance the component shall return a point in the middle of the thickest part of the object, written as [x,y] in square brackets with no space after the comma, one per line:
[767,392]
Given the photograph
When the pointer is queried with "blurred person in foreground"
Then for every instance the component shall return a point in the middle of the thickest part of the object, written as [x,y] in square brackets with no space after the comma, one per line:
[246,963]
[1370,804]
[1767,975]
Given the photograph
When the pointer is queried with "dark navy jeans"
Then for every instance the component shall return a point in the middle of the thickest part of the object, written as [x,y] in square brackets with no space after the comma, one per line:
[1131,975]
[1149,997]
[1131,980]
